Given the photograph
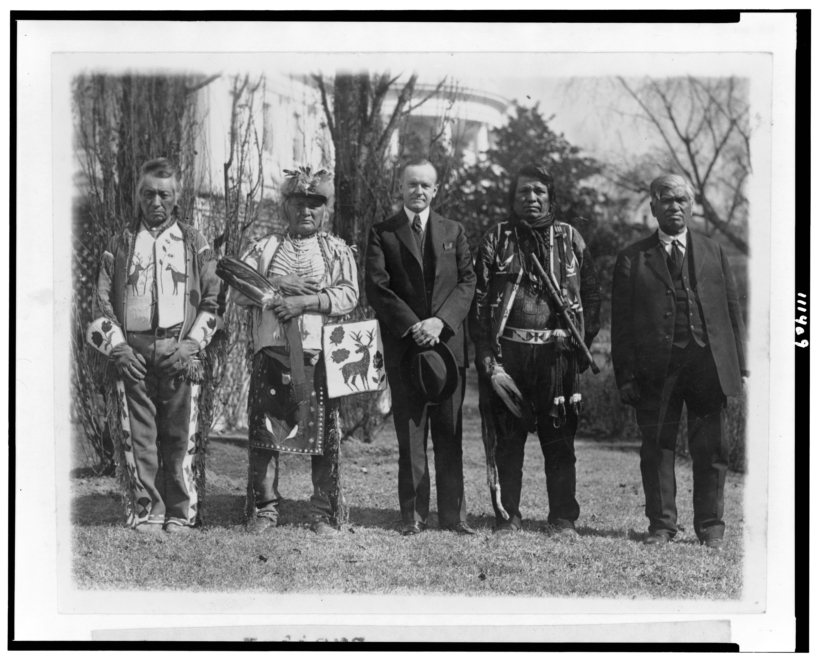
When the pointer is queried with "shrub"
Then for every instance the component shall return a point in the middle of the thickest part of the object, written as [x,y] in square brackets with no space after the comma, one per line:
[604,415]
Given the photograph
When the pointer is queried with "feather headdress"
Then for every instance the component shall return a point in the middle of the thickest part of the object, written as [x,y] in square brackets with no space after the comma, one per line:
[305,182]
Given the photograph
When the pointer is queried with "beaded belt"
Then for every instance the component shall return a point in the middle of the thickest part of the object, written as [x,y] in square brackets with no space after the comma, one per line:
[533,336]
[161,333]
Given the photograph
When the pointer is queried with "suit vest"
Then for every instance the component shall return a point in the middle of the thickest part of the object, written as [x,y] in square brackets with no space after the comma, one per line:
[689,322]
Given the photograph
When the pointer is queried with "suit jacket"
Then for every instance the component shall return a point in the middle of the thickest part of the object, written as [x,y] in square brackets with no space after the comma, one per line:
[395,285]
[644,311]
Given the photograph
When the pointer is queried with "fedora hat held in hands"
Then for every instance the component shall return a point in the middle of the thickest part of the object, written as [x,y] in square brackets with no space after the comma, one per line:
[430,372]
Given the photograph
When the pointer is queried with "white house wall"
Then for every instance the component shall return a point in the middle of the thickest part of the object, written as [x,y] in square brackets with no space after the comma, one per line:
[290,120]
[288,114]
[469,105]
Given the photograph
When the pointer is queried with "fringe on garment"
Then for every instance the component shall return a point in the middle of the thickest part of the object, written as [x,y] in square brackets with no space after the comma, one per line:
[202,372]
[490,442]
[339,511]
[565,363]
[195,372]
[113,417]
[204,257]
[250,500]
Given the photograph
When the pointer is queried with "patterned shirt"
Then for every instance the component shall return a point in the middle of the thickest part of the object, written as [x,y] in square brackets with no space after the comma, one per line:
[323,256]
[502,256]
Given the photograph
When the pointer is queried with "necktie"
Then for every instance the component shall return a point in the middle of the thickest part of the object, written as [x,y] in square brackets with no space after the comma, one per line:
[417,226]
[676,254]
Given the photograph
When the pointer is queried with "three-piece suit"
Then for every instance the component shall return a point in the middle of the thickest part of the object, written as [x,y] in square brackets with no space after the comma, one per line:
[409,280]
[677,330]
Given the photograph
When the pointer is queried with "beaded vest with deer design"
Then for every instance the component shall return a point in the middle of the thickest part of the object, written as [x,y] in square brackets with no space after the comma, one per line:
[157,280]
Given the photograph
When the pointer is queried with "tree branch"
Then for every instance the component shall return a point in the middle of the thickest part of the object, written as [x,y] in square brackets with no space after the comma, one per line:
[403,97]
[381,90]
[739,118]
[431,94]
[717,150]
[656,123]
[204,83]
[691,156]
[713,217]
[319,79]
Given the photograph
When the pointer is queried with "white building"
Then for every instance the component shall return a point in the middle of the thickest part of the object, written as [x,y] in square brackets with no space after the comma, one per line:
[462,118]
[287,119]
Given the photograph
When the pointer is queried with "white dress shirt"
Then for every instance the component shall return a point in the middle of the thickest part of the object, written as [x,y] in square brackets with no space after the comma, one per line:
[667,241]
[424,217]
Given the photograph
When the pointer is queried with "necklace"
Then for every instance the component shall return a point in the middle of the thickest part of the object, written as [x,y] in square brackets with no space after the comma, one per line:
[300,255]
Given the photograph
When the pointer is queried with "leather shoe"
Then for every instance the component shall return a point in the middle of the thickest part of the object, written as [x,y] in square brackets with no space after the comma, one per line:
[657,538]
[261,522]
[506,528]
[715,544]
[412,528]
[460,528]
[323,528]
[181,530]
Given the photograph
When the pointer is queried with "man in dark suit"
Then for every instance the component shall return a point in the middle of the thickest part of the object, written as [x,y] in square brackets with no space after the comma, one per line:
[678,337]
[420,282]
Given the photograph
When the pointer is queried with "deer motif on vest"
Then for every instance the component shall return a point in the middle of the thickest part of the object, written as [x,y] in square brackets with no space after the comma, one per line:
[133,278]
[352,370]
[177,276]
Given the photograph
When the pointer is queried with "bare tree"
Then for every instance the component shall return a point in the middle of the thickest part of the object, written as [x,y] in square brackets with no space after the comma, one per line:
[230,215]
[704,125]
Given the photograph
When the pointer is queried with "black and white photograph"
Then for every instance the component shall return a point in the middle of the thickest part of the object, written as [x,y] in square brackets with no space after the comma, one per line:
[407,340]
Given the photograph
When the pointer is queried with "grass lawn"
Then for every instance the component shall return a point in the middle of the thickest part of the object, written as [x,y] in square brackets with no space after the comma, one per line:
[608,560]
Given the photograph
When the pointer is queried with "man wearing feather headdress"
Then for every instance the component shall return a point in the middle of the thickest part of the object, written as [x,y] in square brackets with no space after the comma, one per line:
[527,361]
[157,305]
[316,282]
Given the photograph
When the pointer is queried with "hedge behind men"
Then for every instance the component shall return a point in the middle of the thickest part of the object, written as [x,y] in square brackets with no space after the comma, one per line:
[678,337]
[420,282]
[157,283]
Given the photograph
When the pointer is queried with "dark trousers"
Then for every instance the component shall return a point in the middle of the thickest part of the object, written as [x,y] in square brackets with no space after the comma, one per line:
[692,379]
[264,469]
[529,367]
[413,419]
[160,412]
